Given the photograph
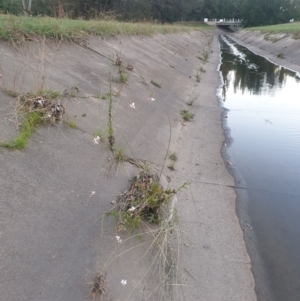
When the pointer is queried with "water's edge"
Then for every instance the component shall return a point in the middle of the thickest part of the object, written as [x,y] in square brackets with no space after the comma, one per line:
[262,283]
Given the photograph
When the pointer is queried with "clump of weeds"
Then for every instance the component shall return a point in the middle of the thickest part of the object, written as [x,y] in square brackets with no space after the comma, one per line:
[143,201]
[156,84]
[32,110]
[187,115]
[280,55]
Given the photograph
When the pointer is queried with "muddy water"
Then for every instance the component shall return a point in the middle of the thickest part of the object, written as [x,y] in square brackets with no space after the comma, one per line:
[263,100]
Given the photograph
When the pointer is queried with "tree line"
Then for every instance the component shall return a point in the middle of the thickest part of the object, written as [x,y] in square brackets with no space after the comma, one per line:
[253,12]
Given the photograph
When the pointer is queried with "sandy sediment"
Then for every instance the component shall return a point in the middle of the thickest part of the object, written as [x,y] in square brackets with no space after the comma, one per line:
[55,237]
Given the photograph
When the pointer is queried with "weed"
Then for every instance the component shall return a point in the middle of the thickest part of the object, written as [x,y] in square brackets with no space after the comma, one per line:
[123,75]
[31,121]
[205,56]
[173,157]
[11,93]
[110,128]
[280,55]
[156,84]
[187,115]
[71,124]
[119,155]
[100,134]
[34,108]
[198,77]
[202,70]
[171,166]
[143,201]
[105,96]
[191,101]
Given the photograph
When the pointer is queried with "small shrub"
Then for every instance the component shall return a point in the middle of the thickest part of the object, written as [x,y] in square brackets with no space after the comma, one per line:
[142,201]
[187,115]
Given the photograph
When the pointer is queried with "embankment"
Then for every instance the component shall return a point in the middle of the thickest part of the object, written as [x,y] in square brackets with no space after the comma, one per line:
[55,236]
[280,48]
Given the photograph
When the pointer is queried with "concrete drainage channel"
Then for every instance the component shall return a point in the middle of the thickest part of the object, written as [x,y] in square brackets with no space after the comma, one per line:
[56,240]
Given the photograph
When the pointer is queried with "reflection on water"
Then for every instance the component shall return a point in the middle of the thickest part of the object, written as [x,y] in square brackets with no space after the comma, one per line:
[264,118]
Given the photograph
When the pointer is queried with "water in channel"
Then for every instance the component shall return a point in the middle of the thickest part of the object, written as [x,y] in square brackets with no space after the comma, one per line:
[263,102]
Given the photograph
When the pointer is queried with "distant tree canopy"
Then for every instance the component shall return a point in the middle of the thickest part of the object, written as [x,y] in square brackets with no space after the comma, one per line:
[253,12]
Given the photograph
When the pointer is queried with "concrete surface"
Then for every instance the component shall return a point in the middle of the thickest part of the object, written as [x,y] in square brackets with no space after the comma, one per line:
[270,46]
[54,236]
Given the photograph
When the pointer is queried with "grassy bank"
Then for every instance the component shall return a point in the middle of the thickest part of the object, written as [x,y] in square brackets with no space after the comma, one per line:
[66,29]
[289,28]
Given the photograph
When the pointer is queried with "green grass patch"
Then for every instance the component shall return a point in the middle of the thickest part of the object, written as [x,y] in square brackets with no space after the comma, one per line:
[32,120]
[187,115]
[17,27]
[288,28]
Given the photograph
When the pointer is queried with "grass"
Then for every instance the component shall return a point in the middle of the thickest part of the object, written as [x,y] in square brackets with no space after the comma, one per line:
[71,124]
[289,28]
[32,120]
[187,115]
[34,109]
[156,84]
[74,30]
[198,78]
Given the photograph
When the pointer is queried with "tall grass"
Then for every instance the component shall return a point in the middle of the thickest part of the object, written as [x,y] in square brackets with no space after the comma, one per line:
[67,29]
[289,28]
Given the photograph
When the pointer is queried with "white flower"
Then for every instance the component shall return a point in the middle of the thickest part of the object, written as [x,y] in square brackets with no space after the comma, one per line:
[132,105]
[131,209]
[119,240]
[152,99]
[93,192]
[97,140]
[123,282]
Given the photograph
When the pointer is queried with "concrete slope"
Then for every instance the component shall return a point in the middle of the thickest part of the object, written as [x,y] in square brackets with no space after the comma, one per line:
[280,48]
[54,236]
